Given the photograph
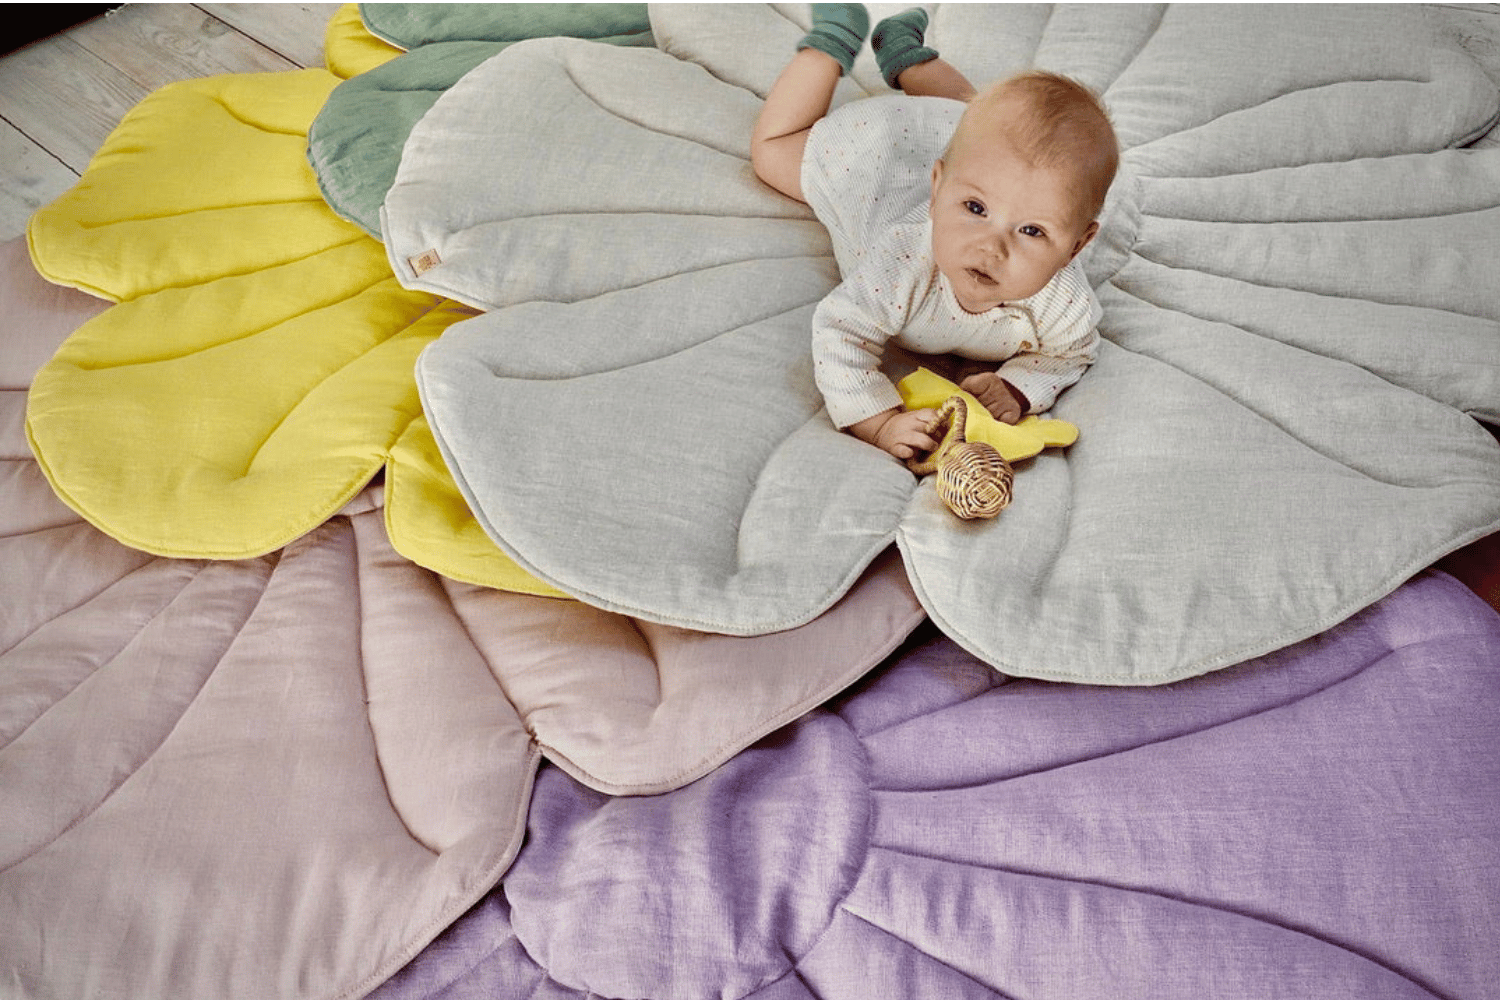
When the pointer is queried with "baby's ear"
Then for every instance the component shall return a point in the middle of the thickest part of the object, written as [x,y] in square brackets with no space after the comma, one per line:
[937,177]
[1085,239]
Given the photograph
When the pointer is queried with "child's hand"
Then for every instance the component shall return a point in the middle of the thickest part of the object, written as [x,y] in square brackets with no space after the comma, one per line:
[904,433]
[1003,400]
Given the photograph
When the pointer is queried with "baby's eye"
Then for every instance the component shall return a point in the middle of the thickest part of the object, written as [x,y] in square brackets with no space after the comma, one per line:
[1032,231]
[973,207]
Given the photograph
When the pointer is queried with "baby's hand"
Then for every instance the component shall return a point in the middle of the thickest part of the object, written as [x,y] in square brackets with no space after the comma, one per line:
[904,433]
[998,396]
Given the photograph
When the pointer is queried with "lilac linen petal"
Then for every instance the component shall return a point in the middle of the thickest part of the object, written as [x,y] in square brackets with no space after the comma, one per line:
[475,958]
[1026,935]
[739,876]
[792,986]
[1352,811]
[1031,727]
[1321,822]
[859,958]
[930,676]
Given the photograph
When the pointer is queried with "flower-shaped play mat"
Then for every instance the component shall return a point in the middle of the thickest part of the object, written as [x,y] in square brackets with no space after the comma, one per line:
[1298,333]
[338,605]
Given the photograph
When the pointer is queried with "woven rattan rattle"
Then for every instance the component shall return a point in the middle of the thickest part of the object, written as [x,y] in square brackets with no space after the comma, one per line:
[973,478]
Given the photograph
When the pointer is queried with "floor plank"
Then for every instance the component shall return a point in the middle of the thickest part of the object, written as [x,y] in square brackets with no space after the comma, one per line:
[155,44]
[293,30]
[64,98]
[30,177]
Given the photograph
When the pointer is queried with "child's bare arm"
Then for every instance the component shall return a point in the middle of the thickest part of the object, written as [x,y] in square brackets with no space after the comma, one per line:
[903,433]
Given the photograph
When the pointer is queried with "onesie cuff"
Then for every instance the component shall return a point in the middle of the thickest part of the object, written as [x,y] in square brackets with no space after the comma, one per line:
[850,409]
[1039,389]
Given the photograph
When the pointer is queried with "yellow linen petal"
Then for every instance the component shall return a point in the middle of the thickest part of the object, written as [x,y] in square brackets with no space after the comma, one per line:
[256,372]
[348,47]
[923,389]
[203,178]
[429,521]
[225,419]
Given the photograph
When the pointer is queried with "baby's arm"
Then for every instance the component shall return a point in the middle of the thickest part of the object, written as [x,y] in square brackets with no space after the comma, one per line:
[904,433]
[850,330]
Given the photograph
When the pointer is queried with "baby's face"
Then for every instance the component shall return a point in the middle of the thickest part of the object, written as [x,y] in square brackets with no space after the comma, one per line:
[1002,228]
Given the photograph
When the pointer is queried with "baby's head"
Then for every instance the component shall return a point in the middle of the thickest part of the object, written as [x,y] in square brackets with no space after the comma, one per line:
[1018,191]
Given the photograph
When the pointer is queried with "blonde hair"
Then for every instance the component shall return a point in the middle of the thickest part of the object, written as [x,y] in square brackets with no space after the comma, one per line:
[1051,121]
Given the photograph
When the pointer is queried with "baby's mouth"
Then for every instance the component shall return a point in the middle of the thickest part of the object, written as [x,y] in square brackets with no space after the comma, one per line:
[981,276]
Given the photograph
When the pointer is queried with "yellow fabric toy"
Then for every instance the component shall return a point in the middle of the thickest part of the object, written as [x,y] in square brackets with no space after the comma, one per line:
[923,389]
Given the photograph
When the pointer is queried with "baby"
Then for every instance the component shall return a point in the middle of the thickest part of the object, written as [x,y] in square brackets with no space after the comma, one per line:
[974,254]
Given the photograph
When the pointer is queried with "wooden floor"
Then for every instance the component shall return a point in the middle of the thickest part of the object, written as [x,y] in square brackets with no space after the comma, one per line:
[60,98]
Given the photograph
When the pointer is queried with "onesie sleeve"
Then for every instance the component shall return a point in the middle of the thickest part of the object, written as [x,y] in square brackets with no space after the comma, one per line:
[1065,315]
[851,327]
